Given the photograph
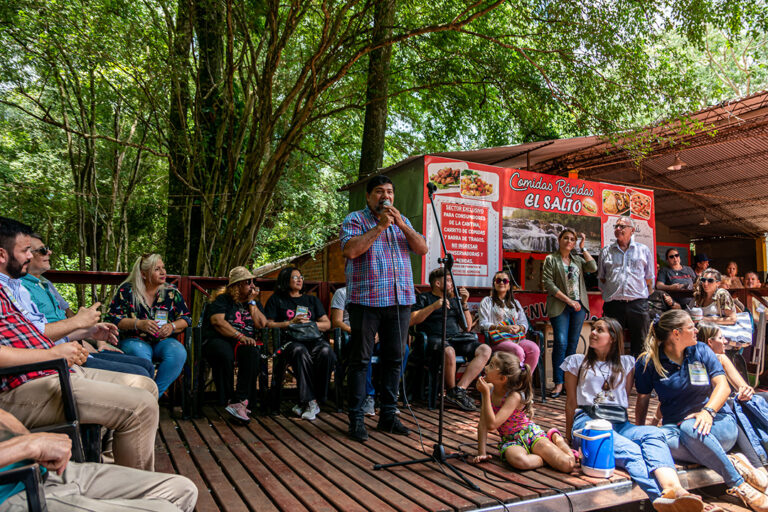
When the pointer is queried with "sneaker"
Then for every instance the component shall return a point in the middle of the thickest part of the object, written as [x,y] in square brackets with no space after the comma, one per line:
[238,410]
[678,501]
[357,430]
[297,410]
[457,397]
[751,497]
[393,426]
[310,413]
[368,406]
[753,477]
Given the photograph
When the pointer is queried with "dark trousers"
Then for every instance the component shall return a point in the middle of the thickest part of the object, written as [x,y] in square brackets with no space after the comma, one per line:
[634,317]
[221,354]
[119,362]
[391,323]
[312,367]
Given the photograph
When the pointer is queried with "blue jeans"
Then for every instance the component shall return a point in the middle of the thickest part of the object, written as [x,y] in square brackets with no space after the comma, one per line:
[566,329]
[369,389]
[169,352]
[687,445]
[123,363]
[638,450]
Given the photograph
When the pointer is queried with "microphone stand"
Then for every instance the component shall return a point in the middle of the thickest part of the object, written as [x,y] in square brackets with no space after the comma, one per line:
[439,454]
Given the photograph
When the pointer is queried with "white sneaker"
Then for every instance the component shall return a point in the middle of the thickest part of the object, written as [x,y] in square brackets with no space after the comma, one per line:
[296,410]
[369,406]
[310,413]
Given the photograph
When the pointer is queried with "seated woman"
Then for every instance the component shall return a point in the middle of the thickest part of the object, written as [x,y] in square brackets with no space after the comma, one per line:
[229,331]
[716,303]
[503,316]
[148,311]
[730,279]
[312,360]
[567,302]
[692,388]
[604,377]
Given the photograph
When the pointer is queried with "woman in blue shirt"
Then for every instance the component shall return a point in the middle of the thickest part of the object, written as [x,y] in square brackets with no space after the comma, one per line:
[692,387]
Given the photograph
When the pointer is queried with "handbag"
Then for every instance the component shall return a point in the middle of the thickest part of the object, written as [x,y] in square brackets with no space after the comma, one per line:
[608,412]
[463,337]
[499,336]
[303,332]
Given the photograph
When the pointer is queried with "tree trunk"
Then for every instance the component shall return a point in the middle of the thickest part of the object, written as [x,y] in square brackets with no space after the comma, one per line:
[177,248]
[375,127]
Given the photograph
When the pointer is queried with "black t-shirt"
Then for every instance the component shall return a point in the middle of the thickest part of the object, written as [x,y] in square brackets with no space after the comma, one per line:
[237,314]
[281,308]
[685,276]
[433,325]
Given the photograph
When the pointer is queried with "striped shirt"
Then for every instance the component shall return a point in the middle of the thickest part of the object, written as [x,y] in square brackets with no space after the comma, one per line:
[16,331]
[382,275]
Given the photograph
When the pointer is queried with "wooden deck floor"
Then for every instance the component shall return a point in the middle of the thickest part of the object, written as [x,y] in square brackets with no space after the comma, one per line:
[284,463]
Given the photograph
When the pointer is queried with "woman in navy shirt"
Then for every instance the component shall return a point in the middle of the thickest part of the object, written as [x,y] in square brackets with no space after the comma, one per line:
[692,387]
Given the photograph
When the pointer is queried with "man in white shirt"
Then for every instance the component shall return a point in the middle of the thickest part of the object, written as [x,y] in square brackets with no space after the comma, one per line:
[626,275]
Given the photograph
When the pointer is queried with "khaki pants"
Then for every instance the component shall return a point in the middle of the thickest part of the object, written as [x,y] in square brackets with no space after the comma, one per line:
[109,488]
[123,402]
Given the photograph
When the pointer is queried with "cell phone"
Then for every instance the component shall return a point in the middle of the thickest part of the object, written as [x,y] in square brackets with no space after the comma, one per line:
[302,310]
[161,317]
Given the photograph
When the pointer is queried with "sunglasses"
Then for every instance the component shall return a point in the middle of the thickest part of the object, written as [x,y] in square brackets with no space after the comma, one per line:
[502,280]
[708,280]
[621,227]
[42,251]
[674,256]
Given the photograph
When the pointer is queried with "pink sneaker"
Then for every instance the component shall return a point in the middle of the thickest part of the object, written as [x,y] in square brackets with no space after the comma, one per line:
[239,410]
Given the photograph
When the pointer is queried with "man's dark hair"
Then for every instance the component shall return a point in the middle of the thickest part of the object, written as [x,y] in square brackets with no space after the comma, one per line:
[376,181]
[435,275]
[9,230]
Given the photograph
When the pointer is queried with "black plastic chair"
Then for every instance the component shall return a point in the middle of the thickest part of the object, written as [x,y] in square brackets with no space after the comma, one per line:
[32,478]
[430,367]
[86,439]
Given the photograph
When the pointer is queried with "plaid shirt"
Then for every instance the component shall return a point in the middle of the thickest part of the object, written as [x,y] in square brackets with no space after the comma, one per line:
[382,275]
[16,331]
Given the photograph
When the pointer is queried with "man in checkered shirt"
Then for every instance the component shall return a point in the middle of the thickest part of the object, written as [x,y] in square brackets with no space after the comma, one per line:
[123,402]
[376,242]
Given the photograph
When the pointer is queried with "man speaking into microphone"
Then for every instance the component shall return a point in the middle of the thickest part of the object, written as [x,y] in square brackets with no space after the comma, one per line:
[376,241]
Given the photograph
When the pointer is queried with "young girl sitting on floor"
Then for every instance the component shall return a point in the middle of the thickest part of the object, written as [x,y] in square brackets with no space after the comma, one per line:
[507,397]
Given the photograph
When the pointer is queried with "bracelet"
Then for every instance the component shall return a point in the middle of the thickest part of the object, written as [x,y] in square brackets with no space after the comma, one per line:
[135,324]
[710,410]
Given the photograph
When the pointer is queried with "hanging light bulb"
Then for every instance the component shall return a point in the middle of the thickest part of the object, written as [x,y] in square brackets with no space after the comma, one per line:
[677,164]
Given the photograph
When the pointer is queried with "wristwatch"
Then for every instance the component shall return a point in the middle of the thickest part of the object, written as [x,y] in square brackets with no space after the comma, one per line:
[711,411]
[252,303]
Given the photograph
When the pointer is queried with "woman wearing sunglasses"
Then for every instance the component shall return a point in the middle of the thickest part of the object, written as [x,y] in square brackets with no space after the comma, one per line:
[567,302]
[149,312]
[504,318]
[716,303]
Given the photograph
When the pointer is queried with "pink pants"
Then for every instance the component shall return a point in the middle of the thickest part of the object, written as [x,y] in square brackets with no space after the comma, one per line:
[526,350]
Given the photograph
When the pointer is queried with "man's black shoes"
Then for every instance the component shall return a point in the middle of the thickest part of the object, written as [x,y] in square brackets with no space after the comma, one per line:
[357,431]
[393,426]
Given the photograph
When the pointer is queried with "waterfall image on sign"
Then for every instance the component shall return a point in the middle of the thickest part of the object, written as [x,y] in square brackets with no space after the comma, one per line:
[535,231]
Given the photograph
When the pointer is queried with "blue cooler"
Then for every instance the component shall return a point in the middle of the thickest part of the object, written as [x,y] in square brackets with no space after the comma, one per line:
[596,440]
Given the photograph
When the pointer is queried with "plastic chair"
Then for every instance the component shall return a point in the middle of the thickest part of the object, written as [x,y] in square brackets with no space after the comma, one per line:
[32,478]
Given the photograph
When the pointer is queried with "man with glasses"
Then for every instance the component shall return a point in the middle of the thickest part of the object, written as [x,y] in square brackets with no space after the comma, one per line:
[55,309]
[676,279]
[625,272]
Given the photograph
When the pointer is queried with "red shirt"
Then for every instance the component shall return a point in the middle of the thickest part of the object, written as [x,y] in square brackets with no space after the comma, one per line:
[17,332]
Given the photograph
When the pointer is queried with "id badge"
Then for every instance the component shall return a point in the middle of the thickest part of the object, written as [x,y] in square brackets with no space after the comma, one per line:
[161,317]
[698,374]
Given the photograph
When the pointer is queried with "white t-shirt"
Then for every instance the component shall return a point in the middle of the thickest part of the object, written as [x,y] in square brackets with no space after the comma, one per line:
[590,388]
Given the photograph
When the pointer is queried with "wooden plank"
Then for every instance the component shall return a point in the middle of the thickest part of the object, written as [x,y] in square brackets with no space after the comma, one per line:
[271,473]
[334,485]
[346,459]
[243,481]
[185,466]
[225,494]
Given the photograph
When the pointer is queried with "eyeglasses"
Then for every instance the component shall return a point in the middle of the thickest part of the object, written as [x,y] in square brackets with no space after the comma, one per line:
[674,256]
[42,251]
[297,278]
[621,227]
[708,280]
[502,280]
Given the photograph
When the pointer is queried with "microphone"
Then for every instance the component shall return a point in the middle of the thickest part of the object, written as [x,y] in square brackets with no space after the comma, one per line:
[431,187]
[386,202]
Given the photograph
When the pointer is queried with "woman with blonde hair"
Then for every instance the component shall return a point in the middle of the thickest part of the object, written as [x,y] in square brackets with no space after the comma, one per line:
[692,389]
[148,311]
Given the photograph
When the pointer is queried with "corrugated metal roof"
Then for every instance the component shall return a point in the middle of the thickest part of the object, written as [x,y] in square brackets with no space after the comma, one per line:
[725,179]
